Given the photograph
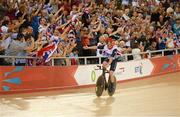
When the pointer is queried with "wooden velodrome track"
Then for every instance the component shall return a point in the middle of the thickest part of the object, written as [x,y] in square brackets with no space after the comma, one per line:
[152,97]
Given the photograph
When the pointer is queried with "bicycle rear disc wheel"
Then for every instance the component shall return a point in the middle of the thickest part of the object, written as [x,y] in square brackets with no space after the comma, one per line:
[100,85]
[110,90]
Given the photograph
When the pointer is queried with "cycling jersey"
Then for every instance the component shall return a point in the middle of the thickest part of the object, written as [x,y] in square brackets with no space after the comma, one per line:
[106,52]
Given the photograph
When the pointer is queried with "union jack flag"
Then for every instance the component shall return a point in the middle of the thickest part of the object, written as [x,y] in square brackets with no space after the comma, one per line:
[44,53]
[48,51]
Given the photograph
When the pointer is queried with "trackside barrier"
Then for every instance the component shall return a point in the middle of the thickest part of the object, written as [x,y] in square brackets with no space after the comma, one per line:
[124,57]
[15,79]
[97,60]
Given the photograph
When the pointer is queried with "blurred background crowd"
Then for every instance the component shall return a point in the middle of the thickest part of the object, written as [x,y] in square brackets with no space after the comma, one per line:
[28,26]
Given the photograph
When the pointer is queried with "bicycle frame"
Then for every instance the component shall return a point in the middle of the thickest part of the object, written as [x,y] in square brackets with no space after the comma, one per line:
[104,71]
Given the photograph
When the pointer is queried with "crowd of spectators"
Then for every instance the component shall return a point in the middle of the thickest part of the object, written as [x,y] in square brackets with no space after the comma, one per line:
[27,26]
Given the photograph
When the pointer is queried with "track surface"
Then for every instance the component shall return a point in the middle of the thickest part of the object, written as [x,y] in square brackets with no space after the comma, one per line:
[152,97]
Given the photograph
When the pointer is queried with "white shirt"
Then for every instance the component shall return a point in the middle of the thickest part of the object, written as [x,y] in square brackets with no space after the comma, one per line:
[170,43]
[135,4]
[136,51]
[98,53]
[42,29]
[125,2]
[54,38]
[5,43]
[126,17]
[4,29]
[106,52]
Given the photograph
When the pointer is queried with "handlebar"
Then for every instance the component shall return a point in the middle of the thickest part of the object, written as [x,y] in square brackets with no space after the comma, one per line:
[101,68]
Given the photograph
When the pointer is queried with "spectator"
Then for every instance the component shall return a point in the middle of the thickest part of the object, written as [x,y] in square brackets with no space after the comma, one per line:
[20,47]
[74,55]
[176,26]
[152,24]
[153,46]
[135,51]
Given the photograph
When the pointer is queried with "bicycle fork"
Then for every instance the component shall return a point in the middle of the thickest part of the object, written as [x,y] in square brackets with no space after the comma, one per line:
[105,80]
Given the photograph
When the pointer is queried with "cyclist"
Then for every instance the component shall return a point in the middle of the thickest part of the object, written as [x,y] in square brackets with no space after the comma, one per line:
[110,50]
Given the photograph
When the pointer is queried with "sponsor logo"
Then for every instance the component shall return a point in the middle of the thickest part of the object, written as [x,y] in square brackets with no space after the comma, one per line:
[120,71]
[138,69]
[93,76]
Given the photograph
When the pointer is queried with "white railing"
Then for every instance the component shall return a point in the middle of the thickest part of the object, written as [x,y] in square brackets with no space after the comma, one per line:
[85,60]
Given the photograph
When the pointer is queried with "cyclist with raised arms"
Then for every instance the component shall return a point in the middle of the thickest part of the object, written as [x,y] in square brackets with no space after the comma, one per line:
[110,50]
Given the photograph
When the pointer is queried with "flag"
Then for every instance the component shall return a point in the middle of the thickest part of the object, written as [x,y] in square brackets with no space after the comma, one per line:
[48,51]
[43,55]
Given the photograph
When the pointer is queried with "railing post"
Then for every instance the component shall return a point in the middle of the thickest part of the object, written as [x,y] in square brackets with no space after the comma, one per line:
[52,61]
[126,57]
[85,61]
[162,52]
[13,62]
[99,60]
[149,55]
[176,51]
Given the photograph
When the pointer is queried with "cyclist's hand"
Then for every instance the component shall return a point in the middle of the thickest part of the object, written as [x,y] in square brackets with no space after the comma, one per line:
[105,65]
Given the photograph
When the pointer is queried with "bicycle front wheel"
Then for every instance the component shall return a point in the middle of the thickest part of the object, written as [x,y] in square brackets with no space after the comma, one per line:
[100,85]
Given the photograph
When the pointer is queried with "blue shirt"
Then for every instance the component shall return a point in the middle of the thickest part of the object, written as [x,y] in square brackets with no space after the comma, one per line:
[176,29]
